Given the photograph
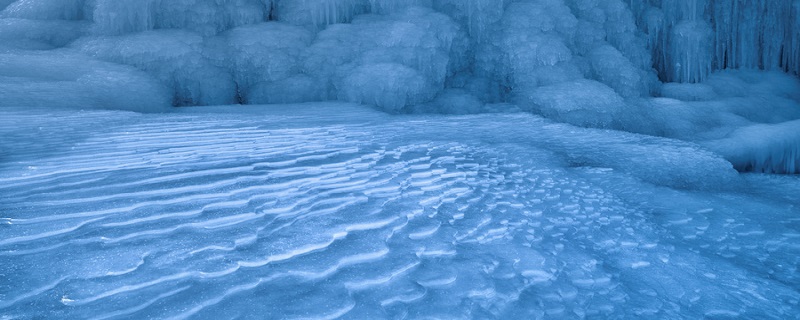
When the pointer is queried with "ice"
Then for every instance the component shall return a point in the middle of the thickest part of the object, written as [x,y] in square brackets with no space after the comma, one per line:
[585,62]
[257,51]
[476,16]
[391,61]
[770,148]
[690,58]
[688,91]
[207,17]
[174,57]
[581,102]
[39,34]
[390,86]
[262,55]
[743,34]
[455,101]
[491,159]
[43,10]
[113,17]
[612,68]
[319,13]
[332,209]
[43,79]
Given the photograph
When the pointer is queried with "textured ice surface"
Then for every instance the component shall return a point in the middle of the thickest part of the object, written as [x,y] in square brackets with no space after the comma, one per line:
[332,210]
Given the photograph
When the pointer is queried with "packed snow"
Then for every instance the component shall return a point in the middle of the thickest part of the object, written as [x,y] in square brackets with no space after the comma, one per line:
[399,158]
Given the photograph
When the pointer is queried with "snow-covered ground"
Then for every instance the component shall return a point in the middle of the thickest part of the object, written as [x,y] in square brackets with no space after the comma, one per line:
[329,209]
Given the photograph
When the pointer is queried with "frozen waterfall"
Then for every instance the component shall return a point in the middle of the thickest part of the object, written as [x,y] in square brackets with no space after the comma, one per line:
[399,159]
[585,62]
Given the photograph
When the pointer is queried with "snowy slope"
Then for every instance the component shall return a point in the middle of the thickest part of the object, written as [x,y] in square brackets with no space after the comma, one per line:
[328,210]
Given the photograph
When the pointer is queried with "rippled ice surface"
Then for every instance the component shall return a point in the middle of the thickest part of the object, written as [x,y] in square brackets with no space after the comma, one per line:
[325,211]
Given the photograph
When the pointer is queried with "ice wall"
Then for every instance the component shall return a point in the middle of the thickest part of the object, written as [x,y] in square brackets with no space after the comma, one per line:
[691,38]
[402,54]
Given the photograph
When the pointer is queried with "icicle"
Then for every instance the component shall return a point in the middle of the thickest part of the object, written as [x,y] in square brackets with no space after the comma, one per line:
[791,52]
[690,52]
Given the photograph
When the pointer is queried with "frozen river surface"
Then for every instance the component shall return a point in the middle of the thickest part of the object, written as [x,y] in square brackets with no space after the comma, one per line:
[332,210]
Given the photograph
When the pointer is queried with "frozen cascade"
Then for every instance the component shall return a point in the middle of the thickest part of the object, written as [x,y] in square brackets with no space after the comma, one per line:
[410,56]
[744,34]
[553,159]
[486,56]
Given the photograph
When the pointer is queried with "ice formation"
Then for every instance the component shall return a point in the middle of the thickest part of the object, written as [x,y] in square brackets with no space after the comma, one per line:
[594,63]
[586,167]
[498,51]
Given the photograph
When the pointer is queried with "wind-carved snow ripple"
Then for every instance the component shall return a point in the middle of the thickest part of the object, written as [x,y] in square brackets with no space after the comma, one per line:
[188,216]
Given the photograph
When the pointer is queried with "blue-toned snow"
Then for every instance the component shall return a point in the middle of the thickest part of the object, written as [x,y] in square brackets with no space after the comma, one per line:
[328,210]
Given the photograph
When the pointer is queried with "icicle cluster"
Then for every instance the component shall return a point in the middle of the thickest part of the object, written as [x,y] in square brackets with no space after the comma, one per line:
[402,53]
[691,38]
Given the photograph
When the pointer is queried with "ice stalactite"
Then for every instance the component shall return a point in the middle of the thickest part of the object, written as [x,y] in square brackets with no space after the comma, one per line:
[494,51]
[719,34]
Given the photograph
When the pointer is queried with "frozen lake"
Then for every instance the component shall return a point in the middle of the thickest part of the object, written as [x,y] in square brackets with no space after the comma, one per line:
[335,210]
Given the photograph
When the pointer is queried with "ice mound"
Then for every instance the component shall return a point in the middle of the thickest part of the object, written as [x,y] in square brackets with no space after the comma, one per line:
[581,102]
[726,101]
[389,86]
[175,57]
[390,61]
[263,55]
[43,9]
[38,34]
[50,79]
[769,148]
